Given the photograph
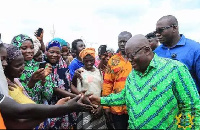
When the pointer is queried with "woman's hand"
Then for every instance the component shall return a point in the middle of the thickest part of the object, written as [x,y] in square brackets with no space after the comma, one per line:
[38,75]
[78,72]
[62,101]
[11,85]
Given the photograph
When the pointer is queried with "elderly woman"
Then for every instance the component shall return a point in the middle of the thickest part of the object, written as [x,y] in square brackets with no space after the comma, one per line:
[61,79]
[65,50]
[91,81]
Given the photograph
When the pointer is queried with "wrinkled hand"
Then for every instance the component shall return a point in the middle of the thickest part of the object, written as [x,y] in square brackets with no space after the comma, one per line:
[48,69]
[63,101]
[78,73]
[95,99]
[11,85]
[76,104]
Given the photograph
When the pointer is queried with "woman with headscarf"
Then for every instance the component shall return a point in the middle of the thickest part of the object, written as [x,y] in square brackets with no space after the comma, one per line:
[65,50]
[92,82]
[13,71]
[38,87]
[61,79]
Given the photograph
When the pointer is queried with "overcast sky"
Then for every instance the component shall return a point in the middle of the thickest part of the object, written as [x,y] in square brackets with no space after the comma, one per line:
[95,21]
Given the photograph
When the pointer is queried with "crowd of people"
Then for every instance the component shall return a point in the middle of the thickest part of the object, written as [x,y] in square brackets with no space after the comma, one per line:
[151,82]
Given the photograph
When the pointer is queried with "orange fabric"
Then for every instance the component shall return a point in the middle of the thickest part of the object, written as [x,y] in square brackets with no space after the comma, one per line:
[2,126]
[86,51]
[115,77]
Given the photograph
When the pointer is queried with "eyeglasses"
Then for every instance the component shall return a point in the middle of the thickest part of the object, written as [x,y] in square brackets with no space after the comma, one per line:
[160,30]
[135,53]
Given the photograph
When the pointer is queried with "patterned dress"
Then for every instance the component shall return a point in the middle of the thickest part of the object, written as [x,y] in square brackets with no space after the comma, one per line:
[61,78]
[38,93]
[164,97]
[114,79]
[92,82]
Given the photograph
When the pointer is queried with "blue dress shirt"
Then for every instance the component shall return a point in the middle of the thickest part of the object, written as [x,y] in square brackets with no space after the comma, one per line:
[186,51]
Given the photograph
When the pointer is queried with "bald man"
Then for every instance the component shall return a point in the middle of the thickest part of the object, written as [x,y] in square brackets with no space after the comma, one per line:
[177,47]
[158,93]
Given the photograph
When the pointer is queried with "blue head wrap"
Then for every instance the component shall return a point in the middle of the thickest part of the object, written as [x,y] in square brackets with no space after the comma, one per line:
[53,44]
[62,42]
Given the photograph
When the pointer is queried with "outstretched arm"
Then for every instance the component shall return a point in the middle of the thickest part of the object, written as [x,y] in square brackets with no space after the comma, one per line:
[111,100]
[10,108]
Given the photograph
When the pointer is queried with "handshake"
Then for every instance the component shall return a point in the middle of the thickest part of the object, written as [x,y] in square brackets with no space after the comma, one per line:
[82,102]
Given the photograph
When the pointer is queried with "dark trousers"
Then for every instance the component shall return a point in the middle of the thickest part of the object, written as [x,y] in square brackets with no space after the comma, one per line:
[120,121]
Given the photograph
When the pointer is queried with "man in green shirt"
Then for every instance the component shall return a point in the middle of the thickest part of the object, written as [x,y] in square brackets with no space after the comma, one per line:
[159,93]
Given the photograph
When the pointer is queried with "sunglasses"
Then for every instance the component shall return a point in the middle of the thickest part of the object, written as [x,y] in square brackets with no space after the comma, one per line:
[160,30]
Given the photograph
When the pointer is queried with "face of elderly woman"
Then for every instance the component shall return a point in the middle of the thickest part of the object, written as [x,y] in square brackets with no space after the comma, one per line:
[53,54]
[27,50]
[16,67]
[88,62]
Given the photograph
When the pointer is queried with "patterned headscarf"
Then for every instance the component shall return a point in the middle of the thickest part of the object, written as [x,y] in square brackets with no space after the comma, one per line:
[62,42]
[87,51]
[53,44]
[19,39]
[12,53]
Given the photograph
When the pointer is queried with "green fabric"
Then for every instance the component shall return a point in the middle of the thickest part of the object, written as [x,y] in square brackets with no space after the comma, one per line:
[154,98]
[19,39]
[38,93]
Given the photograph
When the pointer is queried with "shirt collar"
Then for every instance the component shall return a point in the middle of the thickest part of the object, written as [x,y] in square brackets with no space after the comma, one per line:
[121,57]
[153,64]
[181,42]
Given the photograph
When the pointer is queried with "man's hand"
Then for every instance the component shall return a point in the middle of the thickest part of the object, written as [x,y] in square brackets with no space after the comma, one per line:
[86,99]
[11,85]
[77,105]
[95,99]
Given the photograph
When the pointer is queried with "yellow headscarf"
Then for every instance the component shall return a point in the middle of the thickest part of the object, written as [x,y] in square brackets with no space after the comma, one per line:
[87,51]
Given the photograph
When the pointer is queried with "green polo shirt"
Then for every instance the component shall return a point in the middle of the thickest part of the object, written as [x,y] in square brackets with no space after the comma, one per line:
[156,98]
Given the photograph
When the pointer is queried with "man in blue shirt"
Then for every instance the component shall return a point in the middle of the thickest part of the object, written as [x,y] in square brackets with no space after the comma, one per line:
[77,46]
[177,47]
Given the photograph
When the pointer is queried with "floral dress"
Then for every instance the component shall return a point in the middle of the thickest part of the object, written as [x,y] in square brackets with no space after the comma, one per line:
[39,93]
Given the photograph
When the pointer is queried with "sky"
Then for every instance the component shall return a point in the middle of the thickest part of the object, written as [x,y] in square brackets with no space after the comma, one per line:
[97,22]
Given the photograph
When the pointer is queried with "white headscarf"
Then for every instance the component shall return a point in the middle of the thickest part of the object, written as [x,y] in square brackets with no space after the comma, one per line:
[37,45]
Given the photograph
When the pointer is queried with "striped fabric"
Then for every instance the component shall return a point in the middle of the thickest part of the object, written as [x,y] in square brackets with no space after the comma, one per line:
[87,121]
[155,98]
